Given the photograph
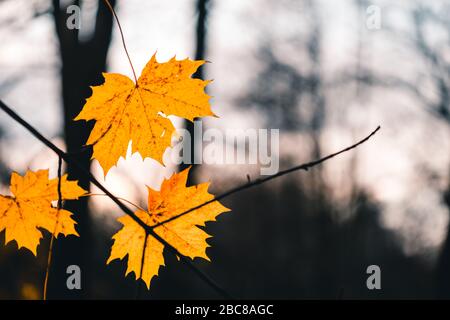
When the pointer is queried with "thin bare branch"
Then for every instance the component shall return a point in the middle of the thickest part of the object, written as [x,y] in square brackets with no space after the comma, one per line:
[305,166]
[122,206]
[150,229]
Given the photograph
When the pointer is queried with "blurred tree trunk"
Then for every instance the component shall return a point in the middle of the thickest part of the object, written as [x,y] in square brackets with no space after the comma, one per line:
[202,8]
[438,69]
[443,265]
[82,64]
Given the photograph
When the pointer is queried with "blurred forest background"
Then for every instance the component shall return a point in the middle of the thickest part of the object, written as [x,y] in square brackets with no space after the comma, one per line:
[312,69]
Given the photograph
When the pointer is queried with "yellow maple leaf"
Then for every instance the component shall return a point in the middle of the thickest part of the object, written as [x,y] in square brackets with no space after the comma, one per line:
[182,233]
[125,111]
[31,208]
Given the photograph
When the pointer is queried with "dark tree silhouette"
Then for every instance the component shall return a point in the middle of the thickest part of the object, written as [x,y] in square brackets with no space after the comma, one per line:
[82,64]
[202,8]
[438,71]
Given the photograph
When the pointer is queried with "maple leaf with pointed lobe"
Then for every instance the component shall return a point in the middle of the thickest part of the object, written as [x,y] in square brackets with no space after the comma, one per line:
[125,111]
[182,233]
[30,208]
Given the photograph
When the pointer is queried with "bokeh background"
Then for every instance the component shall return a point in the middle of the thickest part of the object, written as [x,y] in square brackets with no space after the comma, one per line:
[312,69]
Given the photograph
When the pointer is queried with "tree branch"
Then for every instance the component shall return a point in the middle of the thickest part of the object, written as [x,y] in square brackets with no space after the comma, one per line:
[305,166]
[150,229]
[123,207]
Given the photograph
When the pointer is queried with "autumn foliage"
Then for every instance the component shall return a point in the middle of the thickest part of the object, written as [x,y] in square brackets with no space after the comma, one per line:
[126,112]
[30,208]
[183,233]
[136,113]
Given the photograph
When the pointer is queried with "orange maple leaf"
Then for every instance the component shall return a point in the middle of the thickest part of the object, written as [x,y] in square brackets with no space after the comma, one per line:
[125,111]
[181,233]
[31,208]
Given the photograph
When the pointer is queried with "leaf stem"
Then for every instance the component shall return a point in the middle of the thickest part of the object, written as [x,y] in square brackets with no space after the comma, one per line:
[123,199]
[111,8]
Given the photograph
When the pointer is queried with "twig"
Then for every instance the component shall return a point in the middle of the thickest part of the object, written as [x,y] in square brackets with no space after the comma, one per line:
[305,166]
[50,250]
